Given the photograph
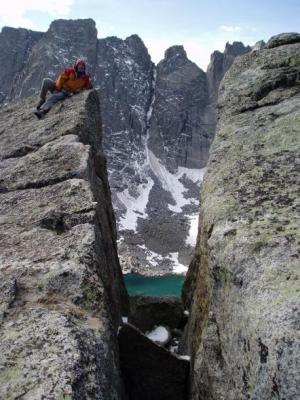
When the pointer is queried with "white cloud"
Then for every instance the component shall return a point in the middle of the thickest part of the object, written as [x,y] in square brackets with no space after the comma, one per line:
[13,12]
[228,28]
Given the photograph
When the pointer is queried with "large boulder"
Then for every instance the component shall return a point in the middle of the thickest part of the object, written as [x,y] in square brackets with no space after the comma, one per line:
[244,323]
[61,290]
[282,39]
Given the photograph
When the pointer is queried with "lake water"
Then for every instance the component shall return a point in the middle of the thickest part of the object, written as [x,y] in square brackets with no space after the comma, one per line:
[166,285]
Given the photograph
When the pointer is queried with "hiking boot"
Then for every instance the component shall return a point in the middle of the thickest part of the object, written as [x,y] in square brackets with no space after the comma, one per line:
[40,103]
[40,114]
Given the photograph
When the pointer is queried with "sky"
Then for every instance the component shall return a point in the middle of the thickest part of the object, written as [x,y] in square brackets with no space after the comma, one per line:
[200,26]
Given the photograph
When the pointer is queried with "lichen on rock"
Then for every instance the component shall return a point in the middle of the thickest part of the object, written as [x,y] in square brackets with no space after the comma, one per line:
[62,291]
[243,322]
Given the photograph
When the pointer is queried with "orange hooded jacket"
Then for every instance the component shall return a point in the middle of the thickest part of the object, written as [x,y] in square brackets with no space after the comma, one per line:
[69,82]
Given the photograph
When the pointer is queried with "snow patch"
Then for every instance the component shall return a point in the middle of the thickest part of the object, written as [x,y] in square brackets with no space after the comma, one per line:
[152,257]
[192,236]
[159,334]
[169,183]
[187,358]
[195,175]
[177,268]
[135,206]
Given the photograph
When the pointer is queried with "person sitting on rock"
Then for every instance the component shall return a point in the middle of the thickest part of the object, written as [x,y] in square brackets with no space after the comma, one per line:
[71,81]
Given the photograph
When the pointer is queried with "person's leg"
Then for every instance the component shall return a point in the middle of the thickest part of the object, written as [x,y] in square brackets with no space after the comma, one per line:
[47,85]
[55,98]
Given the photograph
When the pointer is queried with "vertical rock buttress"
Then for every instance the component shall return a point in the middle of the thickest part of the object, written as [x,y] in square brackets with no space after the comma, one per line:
[61,290]
[243,287]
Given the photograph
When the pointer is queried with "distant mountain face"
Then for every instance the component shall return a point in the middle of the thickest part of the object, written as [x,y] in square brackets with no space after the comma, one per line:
[178,134]
[158,123]
[16,46]
[220,64]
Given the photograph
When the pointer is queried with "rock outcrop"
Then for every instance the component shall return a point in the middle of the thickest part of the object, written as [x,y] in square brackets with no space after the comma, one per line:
[244,324]
[283,38]
[61,289]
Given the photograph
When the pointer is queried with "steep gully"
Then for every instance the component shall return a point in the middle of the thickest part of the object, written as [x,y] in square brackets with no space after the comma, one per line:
[153,368]
[242,289]
[150,370]
[150,353]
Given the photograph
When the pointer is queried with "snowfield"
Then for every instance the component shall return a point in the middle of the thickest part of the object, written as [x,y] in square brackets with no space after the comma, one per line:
[135,207]
[150,170]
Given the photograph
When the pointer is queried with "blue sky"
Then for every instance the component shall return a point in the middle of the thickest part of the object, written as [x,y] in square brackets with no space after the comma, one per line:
[201,26]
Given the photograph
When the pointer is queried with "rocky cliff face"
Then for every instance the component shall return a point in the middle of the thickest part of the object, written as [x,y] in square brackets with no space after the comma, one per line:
[178,134]
[61,289]
[16,46]
[158,124]
[220,64]
[124,79]
[244,286]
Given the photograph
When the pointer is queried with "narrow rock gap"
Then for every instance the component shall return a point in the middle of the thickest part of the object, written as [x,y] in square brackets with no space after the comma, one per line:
[150,367]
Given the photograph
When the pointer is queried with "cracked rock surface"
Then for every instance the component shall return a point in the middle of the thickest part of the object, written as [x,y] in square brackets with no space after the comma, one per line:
[61,290]
[243,287]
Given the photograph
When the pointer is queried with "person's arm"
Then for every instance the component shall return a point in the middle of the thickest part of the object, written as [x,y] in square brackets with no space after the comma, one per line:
[61,80]
[88,83]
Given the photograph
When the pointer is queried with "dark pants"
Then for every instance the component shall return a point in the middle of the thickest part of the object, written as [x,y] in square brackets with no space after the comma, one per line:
[48,85]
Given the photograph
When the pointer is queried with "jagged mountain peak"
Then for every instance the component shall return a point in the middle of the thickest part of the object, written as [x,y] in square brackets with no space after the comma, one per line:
[138,48]
[134,40]
[175,59]
[261,44]
[72,22]
[236,48]
[77,27]
[10,30]
[175,51]
[220,63]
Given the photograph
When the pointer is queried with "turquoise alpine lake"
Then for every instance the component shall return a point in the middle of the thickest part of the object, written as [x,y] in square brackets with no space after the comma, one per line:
[165,285]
